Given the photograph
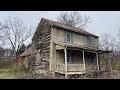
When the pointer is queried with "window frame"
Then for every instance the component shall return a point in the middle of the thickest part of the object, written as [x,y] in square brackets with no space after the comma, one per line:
[66,37]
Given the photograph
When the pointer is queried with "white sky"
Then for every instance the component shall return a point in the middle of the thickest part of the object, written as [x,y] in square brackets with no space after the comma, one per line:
[102,21]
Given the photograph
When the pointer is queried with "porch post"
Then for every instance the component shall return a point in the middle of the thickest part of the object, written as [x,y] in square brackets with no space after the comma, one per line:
[65,51]
[83,60]
[97,60]
[56,64]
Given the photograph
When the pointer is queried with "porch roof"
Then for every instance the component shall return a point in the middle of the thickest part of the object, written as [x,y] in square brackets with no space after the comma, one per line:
[83,47]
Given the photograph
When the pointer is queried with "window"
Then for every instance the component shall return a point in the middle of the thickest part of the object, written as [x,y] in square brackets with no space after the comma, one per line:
[89,40]
[67,37]
[69,57]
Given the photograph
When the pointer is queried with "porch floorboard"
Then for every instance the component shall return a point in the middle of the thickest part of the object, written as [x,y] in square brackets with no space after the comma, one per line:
[71,72]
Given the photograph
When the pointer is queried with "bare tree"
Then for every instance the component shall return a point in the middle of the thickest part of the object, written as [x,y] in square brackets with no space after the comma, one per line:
[15,33]
[73,19]
[108,43]
[118,41]
[2,41]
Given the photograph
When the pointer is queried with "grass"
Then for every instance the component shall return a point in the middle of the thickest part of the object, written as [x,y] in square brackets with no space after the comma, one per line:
[5,74]
[11,74]
[17,73]
[18,70]
[8,70]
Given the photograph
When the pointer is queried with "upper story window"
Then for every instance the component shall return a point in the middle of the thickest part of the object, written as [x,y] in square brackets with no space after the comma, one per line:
[89,40]
[68,37]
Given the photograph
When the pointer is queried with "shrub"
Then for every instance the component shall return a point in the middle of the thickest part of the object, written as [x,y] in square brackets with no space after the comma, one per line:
[5,64]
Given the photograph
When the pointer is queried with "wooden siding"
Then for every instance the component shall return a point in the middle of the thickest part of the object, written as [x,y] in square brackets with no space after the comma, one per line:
[60,57]
[44,43]
[41,46]
[59,36]
[58,47]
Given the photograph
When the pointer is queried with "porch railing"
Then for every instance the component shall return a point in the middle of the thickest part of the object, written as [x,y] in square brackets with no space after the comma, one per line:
[60,67]
[70,67]
[75,67]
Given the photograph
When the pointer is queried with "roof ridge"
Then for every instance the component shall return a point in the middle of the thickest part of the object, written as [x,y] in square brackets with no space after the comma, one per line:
[51,22]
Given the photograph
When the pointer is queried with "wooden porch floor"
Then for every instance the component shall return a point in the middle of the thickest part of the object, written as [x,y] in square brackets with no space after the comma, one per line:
[71,72]
[85,74]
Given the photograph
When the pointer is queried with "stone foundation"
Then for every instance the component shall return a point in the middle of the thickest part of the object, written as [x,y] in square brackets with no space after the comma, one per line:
[40,71]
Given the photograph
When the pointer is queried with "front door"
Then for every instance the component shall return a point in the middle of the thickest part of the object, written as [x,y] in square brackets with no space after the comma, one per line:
[93,62]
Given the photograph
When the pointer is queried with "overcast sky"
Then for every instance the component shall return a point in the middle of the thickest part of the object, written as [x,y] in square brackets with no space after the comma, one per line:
[102,21]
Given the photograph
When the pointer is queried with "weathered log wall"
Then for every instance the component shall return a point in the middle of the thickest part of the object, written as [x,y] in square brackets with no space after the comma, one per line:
[41,43]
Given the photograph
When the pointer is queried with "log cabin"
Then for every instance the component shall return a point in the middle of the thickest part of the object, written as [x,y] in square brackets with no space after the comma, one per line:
[64,49]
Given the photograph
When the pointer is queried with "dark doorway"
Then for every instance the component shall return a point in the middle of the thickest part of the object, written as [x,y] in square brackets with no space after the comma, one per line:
[90,61]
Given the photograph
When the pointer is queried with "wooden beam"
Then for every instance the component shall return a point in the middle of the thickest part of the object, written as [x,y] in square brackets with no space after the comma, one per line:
[65,51]
[83,60]
[56,59]
[51,49]
[97,60]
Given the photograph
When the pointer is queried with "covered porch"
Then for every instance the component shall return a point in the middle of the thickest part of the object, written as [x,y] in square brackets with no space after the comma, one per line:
[71,59]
